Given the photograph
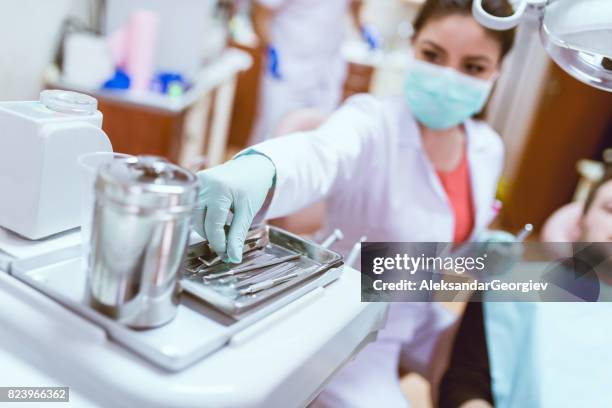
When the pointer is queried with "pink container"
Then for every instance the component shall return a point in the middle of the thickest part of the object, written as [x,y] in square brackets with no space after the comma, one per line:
[118,45]
[142,42]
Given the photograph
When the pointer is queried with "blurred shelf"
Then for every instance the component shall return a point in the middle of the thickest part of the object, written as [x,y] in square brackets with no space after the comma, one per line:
[223,69]
[181,128]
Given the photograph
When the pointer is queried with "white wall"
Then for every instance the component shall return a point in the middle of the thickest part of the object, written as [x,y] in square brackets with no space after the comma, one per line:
[29,31]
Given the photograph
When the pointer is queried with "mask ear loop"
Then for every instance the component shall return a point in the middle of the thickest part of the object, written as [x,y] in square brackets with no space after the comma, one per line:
[495,76]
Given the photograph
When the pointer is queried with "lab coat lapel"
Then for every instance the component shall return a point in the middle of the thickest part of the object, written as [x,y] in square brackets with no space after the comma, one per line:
[410,137]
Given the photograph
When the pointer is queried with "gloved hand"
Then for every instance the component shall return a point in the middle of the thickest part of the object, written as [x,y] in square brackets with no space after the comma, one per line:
[496,237]
[371,36]
[240,185]
[502,249]
[273,62]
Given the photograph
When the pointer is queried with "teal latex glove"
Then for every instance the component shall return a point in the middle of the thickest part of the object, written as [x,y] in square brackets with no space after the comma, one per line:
[241,185]
[502,249]
[495,237]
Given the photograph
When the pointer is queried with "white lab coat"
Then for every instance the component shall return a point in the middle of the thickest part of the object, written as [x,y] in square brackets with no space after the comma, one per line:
[307,35]
[367,160]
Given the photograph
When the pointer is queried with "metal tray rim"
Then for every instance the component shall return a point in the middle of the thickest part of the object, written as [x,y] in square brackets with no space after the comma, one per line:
[236,308]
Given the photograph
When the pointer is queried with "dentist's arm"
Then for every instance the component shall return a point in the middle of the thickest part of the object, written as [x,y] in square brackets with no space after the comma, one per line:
[368,32]
[297,170]
[261,16]
[356,7]
[263,12]
[311,165]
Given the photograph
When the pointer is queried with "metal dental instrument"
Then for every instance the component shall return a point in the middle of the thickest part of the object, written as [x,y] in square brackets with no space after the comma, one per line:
[250,277]
[258,287]
[352,256]
[233,289]
[254,234]
[248,260]
[249,268]
[524,233]
[249,257]
[248,247]
[276,272]
[257,239]
[337,235]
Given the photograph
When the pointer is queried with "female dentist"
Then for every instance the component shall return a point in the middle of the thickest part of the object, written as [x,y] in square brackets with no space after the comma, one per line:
[412,168]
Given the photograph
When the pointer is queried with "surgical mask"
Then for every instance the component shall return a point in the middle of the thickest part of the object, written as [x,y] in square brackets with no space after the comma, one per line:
[441,98]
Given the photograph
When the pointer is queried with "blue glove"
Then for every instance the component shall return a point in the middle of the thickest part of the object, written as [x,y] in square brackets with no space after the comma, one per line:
[371,36]
[274,63]
[241,185]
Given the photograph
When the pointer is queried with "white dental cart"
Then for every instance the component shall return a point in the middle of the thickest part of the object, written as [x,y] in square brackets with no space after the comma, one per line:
[283,360]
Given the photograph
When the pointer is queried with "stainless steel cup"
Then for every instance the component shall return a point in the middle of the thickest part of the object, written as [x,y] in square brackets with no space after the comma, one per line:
[139,237]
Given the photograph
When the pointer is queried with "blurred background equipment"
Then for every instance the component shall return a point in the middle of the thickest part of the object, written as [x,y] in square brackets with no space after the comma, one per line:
[87,60]
[539,109]
[576,34]
[541,119]
[300,42]
[180,24]
[39,147]
[162,74]
[140,48]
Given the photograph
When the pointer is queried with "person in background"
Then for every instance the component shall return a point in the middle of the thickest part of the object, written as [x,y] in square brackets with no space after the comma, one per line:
[513,354]
[301,41]
[413,168]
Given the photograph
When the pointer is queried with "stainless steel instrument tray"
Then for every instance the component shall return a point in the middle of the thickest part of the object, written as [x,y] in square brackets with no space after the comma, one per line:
[281,243]
[198,329]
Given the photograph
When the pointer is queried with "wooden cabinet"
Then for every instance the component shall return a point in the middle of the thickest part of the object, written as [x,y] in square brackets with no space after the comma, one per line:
[245,103]
[136,130]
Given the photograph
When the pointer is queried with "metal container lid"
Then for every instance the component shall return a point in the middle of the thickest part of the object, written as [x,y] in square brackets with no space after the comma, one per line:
[147,183]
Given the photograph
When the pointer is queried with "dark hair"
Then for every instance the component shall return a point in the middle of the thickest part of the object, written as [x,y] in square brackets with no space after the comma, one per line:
[434,9]
[606,177]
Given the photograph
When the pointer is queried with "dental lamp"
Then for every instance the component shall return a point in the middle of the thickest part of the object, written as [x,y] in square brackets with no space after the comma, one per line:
[577,34]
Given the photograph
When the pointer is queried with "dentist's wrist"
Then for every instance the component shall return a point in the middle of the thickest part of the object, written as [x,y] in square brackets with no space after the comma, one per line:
[261,161]
[268,168]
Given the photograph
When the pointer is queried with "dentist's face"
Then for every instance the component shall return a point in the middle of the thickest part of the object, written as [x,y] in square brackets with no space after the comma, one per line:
[597,222]
[459,42]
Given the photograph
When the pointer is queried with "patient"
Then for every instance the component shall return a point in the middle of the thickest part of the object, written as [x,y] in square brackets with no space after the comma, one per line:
[596,223]
[472,378]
